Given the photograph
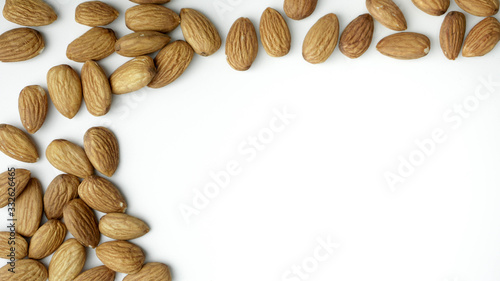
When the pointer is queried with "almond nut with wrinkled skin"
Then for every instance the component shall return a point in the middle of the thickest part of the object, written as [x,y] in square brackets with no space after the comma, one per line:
[95,13]
[101,147]
[101,195]
[387,13]
[171,62]
[141,43]
[480,8]
[133,75]
[17,144]
[321,40]
[65,90]
[29,12]
[68,261]
[452,34]
[96,89]
[26,270]
[33,105]
[357,36]
[151,17]
[60,191]
[242,44]
[405,46]
[69,158]
[121,256]
[274,33]
[199,32]
[20,179]
[82,223]
[121,226]
[29,209]
[482,38]
[20,44]
[47,239]
[299,9]
[9,241]
[432,7]
[153,271]
[95,44]
[100,273]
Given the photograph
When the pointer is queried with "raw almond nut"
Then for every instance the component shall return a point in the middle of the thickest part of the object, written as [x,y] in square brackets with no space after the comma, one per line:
[9,240]
[482,38]
[95,44]
[274,33]
[82,223]
[20,44]
[153,271]
[242,44]
[171,62]
[299,9]
[68,261]
[101,195]
[150,1]
[387,13]
[17,144]
[100,273]
[33,105]
[321,40]
[29,12]
[12,184]
[480,8]
[95,13]
[26,270]
[357,36]
[101,147]
[405,46]
[121,256]
[121,226]
[133,75]
[29,208]
[199,32]
[432,7]
[69,158]
[452,34]
[141,43]
[96,89]
[65,89]
[60,191]
[151,17]
[47,239]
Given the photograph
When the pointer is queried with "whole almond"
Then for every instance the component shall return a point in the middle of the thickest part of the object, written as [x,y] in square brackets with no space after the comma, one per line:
[12,184]
[482,38]
[82,223]
[68,261]
[153,271]
[171,62]
[141,43]
[20,44]
[95,44]
[133,75]
[95,13]
[60,191]
[321,40]
[199,32]
[29,209]
[432,7]
[101,147]
[452,34]
[100,273]
[69,158]
[96,89]
[17,144]
[274,33]
[405,46]
[29,12]
[65,89]
[121,256]
[299,9]
[101,195]
[151,17]
[33,106]
[121,226]
[357,36]
[480,8]
[47,239]
[10,240]
[387,13]
[26,270]
[242,44]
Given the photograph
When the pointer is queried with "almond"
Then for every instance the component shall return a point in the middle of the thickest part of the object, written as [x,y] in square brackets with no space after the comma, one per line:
[12,184]
[121,226]
[95,44]
[69,158]
[480,8]
[33,105]
[151,17]
[132,75]
[432,7]
[387,13]
[47,239]
[82,223]
[10,240]
[68,261]
[29,208]
[101,147]
[321,40]
[150,1]
[274,33]
[452,34]
[101,195]
[60,191]
[153,271]
[141,43]
[26,270]
[95,13]
[29,12]
[482,38]
[96,89]
[121,256]
[299,9]
[200,32]
[405,46]
[65,89]
[17,144]
[171,62]
[20,44]
[100,273]
[242,44]
[357,36]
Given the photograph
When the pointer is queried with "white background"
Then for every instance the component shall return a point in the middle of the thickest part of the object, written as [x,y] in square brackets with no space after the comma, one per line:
[322,177]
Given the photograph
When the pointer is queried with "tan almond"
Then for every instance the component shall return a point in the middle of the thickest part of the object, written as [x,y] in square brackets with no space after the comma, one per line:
[60,191]
[29,12]
[153,271]
[99,273]
[121,226]
[29,208]
[321,40]
[69,158]
[17,144]
[480,8]
[12,184]
[82,223]
[20,44]
[141,43]
[121,256]
[151,17]
[96,89]
[242,44]
[26,270]
[387,13]
[200,32]
[95,44]
[150,1]
[101,147]
[133,75]
[274,33]
[452,34]
[299,9]
[68,261]
[405,45]
[95,13]
[171,62]
[432,7]
[482,38]
[65,89]
[47,239]
[10,240]
[101,195]
[357,36]
[33,105]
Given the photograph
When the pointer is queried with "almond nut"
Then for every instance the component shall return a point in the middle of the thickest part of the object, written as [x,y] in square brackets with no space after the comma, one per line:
[242,44]
[69,158]
[82,223]
[171,62]
[274,33]
[65,89]
[33,105]
[321,40]
[60,191]
[101,147]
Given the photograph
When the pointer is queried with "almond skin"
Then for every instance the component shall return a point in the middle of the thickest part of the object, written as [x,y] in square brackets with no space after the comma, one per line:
[29,208]
[20,179]
[65,90]
[100,273]
[95,13]
[153,271]
[321,40]
[26,270]
[60,191]
[29,12]
[171,62]
[33,105]
[20,44]
[47,239]
[101,195]
[452,34]
[387,13]
[274,33]
[432,7]
[121,256]
[101,147]
[82,223]
[480,8]
[69,158]
[405,46]
[151,17]
[299,9]
[141,43]
[132,75]
[121,226]
[8,240]
[17,144]
[482,38]
[357,36]
[95,44]
[200,32]
[96,89]
[242,44]
[68,261]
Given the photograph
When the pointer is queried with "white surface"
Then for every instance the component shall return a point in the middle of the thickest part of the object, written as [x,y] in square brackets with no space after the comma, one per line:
[321,178]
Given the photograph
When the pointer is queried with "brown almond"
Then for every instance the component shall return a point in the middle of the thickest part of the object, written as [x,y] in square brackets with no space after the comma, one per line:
[95,13]
[452,34]
[133,75]
[95,44]
[121,226]
[150,1]
[199,32]
[12,184]
[171,62]
[357,36]
[68,261]
[274,33]
[405,46]
[480,8]
[82,223]
[47,239]
[96,89]
[141,43]
[101,147]
[29,12]
[151,17]
[10,240]
[321,40]
[432,7]
[153,271]
[29,209]
[242,44]
[60,191]
[100,273]
[26,270]
[65,89]
[482,38]
[17,144]
[387,13]
[121,256]
[299,9]
[69,158]
[101,195]
[20,44]
[33,105]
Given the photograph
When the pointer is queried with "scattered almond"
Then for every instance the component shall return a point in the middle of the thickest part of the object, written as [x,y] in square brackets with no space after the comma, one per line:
[153,271]
[26,270]
[452,34]
[29,12]
[133,75]
[100,273]
[29,209]
[432,7]
[47,239]
[242,44]
[65,89]
[17,144]
[20,44]
[405,46]
[199,32]
[60,191]
[95,44]
[18,178]
[387,13]
[357,36]
[121,256]
[141,43]
[96,89]
[101,147]
[121,226]
[482,38]
[171,62]
[69,158]
[151,17]
[9,240]
[95,13]
[299,9]
[480,8]
[101,195]
[33,106]
[82,223]
[321,40]
[68,261]
[274,33]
